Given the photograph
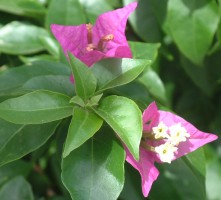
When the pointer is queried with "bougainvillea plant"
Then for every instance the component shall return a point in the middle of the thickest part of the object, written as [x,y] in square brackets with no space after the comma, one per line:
[87,139]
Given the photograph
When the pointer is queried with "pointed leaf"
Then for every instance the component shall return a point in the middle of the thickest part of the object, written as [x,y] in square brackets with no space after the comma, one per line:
[85,81]
[125,118]
[111,73]
[83,126]
[192,25]
[36,107]
[96,169]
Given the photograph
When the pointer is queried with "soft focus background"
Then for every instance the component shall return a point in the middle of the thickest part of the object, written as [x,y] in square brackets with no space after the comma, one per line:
[185,78]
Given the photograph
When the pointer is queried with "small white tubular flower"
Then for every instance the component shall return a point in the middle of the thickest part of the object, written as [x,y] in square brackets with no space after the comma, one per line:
[178,134]
[166,152]
[160,131]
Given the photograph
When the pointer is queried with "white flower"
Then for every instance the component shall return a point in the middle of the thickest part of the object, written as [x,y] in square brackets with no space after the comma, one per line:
[178,134]
[166,152]
[160,131]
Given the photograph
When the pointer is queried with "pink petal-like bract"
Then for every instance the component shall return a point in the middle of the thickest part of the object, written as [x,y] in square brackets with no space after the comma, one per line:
[151,118]
[103,40]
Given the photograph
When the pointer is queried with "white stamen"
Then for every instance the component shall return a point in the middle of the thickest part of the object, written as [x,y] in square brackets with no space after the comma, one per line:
[166,152]
[178,134]
[160,131]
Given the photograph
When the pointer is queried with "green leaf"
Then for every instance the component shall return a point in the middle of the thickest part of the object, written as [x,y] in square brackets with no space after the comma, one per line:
[197,162]
[125,118]
[66,12]
[16,189]
[200,76]
[85,81]
[16,168]
[83,126]
[144,22]
[13,79]
[23,7]
[142,50]
[95,170]
[213,173]
[36,108]
[154,85]
[24,140]
[114,72]
[189,183]
[19,38]
[192,25]
[55,83]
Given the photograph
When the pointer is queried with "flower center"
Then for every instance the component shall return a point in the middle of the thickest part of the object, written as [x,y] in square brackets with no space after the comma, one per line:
[170,136]
[101,43]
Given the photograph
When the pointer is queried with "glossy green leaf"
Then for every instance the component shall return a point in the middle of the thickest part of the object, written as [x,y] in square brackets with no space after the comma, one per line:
[16,168]
[20,38]
[23,7]
[125,118]
[55,83]
[192,25]
[16,189]
[85,81]
[36,108]
[142,50]
[83,126]
[111,73]
[144,22]
[151,80]
[95,170]
[13,79]
[66,12]
[26,139]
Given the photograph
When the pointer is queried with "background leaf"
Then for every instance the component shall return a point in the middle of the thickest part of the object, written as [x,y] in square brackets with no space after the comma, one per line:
[65,12]
[22,142]
[12,80]
[192,25]
[143,20]
[16,189]
[37,107]
[23,7]
[20,38]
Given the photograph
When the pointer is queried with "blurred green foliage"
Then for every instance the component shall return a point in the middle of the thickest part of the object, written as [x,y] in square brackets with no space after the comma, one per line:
[185,77]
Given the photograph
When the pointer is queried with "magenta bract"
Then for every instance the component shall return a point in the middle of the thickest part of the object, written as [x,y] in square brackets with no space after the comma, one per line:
[103,40]
[166,137]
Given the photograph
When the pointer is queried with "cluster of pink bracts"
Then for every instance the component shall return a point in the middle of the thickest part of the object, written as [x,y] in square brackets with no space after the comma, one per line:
[166,136]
